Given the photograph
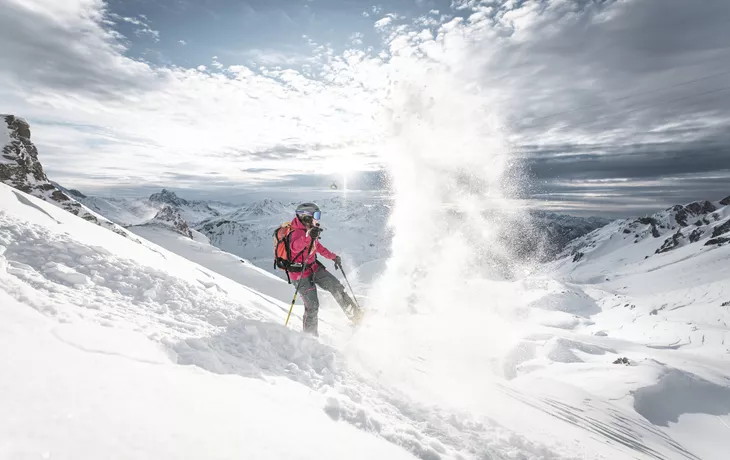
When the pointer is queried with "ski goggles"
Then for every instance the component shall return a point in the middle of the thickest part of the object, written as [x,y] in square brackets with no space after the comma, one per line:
[315,214]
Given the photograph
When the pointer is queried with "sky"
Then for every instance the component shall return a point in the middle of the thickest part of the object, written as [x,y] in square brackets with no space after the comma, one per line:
[610,107]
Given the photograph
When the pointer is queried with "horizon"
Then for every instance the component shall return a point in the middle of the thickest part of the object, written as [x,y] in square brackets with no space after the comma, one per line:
[231,98]
[325,194]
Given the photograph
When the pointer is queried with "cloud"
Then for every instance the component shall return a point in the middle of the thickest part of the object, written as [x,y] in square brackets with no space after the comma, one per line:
[586,93]
[160,119]
[182,42]
[356,38]
[146,31]
[276,58]
[143,27]
[216,64]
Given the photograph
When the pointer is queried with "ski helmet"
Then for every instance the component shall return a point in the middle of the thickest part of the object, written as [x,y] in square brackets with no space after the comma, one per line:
[307,211]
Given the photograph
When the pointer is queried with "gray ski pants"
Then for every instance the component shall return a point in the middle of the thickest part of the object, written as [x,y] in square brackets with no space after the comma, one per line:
[308,290]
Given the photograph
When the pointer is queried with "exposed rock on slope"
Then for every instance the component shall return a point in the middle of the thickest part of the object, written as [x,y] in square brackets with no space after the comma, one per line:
[21,169]
[171,218]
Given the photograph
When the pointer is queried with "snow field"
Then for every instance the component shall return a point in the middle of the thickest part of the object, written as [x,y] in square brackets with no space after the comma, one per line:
[91,399]
[121,313]
[468,369]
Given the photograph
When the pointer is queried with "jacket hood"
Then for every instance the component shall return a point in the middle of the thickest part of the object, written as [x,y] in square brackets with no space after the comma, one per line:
[297,224]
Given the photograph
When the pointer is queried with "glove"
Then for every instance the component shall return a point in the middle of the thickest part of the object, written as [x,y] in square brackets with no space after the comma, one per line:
[338,263]
[314,232]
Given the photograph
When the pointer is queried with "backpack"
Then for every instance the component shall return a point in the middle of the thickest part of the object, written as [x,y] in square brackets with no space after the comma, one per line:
[282,251]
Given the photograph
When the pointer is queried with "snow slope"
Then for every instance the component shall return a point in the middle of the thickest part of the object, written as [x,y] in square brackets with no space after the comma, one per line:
[664,306]
[81,301]
[220,262]
[151,355]
[80,391]
[109,321]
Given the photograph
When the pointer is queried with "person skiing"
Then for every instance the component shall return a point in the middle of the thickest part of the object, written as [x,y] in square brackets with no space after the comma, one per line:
[305,234]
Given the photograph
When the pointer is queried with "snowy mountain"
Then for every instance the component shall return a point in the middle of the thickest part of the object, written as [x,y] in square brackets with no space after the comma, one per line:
[21,169]
[354,229]
[559,229]
[173,348]
[192,211]
[121,211]
[698,224]
[170,217]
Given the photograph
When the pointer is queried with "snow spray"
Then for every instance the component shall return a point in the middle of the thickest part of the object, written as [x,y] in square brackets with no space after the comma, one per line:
[444,305]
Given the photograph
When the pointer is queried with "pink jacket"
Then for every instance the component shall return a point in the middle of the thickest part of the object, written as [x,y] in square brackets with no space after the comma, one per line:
[299,243]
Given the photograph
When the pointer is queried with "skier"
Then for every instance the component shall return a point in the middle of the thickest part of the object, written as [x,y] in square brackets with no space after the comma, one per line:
[305,230]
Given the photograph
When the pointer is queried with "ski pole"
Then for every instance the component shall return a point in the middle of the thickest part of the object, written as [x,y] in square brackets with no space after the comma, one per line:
[348,285]
[296,291]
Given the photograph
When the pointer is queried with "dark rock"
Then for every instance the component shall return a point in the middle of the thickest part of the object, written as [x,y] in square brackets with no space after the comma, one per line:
[623,360]
[721,229]
[654,312]
[578,256]
[700,207]
[21,168]
[696,235]
[671,243]
[725,304]
[654,232]
[647,221]
[725,201]
[718,241]
[627,231]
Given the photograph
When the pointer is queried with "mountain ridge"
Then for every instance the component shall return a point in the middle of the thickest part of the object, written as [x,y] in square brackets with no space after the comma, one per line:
[21,169]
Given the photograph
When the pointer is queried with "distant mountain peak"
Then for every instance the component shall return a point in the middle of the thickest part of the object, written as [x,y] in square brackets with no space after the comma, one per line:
[168,197]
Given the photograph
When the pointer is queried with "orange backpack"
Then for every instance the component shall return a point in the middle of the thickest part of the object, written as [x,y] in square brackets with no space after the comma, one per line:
[282,252]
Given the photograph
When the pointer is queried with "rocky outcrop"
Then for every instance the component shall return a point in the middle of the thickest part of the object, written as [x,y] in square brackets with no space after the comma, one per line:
[721,229]
[670,243]
[696,235]
[717,241]
[170,217]
[697,208]
[650,221]
[19,165]
[21,169]
[725,201]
